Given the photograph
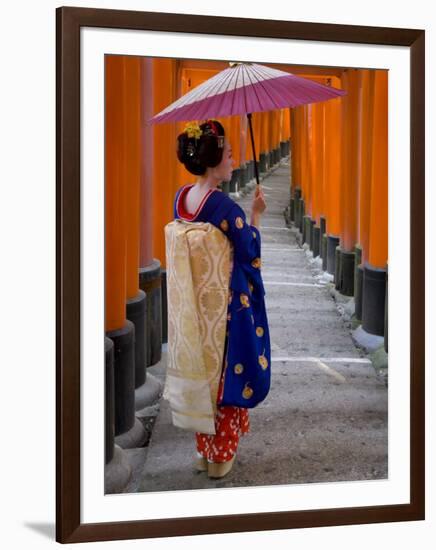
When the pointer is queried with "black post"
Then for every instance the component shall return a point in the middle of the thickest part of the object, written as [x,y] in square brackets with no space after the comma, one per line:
[254,150]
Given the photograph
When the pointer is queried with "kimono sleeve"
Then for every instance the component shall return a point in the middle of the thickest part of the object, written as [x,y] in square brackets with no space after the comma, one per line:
[245,237]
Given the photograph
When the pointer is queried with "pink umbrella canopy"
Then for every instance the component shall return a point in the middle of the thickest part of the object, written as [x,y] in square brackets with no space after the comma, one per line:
[245,88]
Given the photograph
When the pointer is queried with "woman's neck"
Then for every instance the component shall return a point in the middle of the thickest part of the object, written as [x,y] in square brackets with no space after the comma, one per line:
[207,184]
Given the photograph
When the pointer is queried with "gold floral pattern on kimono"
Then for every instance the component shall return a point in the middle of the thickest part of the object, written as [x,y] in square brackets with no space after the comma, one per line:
[211,301]
[197,321]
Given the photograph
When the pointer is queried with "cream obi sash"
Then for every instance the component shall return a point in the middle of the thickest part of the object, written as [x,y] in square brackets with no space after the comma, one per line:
[199,259]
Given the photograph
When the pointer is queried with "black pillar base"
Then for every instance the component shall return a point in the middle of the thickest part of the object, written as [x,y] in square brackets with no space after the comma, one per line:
[324,251]
[250,169]
[245,175]
[337,278]
[240,184]
[322,227]
[109,418]
[332,243]
[296,212]
[225,187]
[311,236]
[150,283]
[316,231]
[373,303]
[297,207]
[302,214]
[292,210]
[358,282]
[262,163]
[346,272]
[124,376]
[136,311]
[234,182]
[358,291]
[277,155]
[307,229]
[386,314]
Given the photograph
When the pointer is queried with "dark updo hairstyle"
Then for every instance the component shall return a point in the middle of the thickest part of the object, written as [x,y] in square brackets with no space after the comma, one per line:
[197,154]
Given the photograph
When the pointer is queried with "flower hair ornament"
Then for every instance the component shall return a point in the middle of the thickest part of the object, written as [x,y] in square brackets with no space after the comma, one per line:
[193,130]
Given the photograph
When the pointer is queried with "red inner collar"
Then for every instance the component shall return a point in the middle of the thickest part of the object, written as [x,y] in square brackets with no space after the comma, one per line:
[181,211]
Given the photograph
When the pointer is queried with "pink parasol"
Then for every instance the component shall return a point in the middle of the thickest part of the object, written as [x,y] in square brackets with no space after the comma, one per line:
[245,88]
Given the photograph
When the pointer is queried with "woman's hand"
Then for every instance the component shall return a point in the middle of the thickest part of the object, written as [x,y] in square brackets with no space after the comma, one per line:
[259,204]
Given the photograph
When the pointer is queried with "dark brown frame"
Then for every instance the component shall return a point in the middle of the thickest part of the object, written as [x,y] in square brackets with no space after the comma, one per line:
[69,20]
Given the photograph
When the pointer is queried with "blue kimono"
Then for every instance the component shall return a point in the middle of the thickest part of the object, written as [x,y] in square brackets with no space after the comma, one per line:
[247,370]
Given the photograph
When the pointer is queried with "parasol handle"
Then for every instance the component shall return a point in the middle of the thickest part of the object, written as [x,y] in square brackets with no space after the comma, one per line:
[253,148]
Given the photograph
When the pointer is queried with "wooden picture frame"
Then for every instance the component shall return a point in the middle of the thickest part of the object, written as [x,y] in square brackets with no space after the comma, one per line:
[68,414]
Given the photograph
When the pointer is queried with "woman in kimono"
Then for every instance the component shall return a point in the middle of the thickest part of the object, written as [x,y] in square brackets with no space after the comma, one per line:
[206,152]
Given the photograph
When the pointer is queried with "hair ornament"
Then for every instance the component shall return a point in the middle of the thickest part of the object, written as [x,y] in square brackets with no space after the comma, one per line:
[212,130]
[193,130]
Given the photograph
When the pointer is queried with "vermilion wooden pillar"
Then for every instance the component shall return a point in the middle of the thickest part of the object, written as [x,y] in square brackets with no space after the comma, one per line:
[298,140]
[118,328]
[257,129]
[306,174]
[345,258]
[243,141]
[308,156]
[264,145]
[333,169]
[294,151]
[318,175]
[115,198]
[183,86]
[286,133]
[366,116]
[132,168]
[350,159]
[131,143]
[378,226]
[366,126]
[164,155]
[275,145]
[322,153]
[157,191]
[317,160]
[271,137]
[304,157]
[146,160]
[244,147]
[375,269]
[232,125]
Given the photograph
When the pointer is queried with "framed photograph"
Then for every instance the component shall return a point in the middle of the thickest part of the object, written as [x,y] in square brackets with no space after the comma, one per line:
[333,443]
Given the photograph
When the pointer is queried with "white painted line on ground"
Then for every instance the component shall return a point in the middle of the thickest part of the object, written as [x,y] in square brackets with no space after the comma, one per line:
[318,359]
[282,249]
[292,284]
[272,227]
